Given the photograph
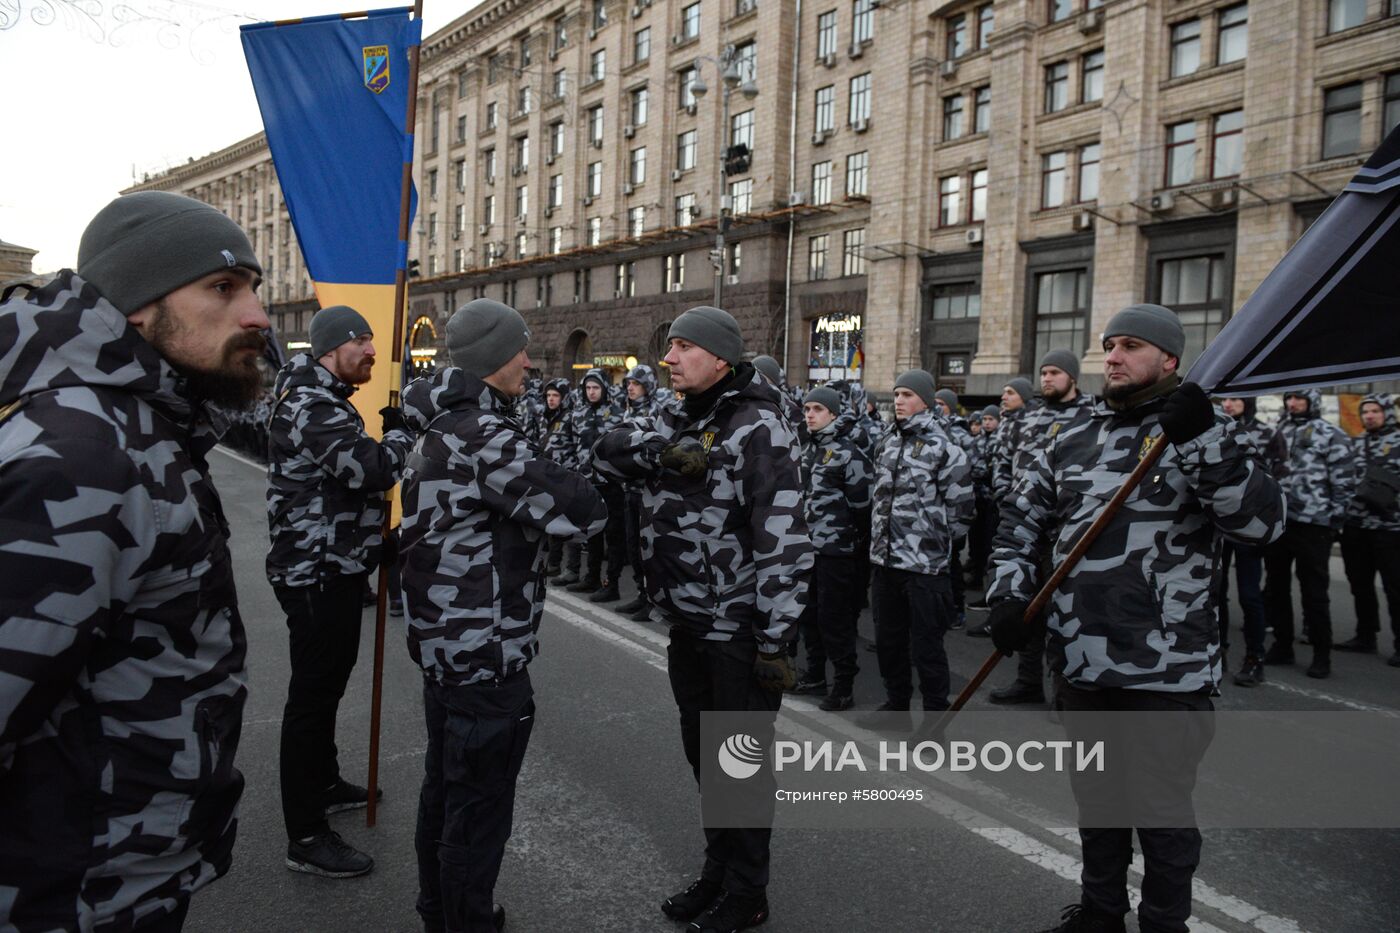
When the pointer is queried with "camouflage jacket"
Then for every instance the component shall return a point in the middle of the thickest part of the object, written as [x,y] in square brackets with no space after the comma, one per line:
[1139,610]
[641,413]
[1269,449]
[1008,442]
[557,442]
[1322,468]
[478,500]
[1030,435]
[923,499]
[836,477]
[726,555]
[985,452]
[325,478]
[1379,448]
[588,422]
[121,647]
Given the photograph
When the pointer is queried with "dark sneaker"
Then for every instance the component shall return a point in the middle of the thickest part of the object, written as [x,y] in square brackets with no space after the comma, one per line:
[329,856]
[980,631]
[346,796]
[836,702]
[1358,644]
[809,685]
[498,917]
[958,623]
[632,605]
[693,901]
[565,579]
[585,586]
[643,614]
[731,913]
[979,603]
[1320,668]
[1077,919]
[552,572]
[607,594]
[1394,660]
[1017,693]
[396,608]
[888,717]
[370,598]
[1279,654]
[1251,673]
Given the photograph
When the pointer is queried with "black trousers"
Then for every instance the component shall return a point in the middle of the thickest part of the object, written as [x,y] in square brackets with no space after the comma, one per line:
[477,736]
[1170,855]
[323,624]
[979,539]
[611,540]
[1365,553]
[1308,547]
[829,621]
[555,552]
[718,675]
[172,922]
[1249,562]
[912,610]
[632,499]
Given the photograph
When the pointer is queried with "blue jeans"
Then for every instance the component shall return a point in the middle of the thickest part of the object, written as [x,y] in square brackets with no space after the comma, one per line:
[1249,571]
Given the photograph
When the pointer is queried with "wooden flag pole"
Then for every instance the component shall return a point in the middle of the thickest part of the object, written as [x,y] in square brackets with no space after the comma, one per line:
[396,350]
[1047,592]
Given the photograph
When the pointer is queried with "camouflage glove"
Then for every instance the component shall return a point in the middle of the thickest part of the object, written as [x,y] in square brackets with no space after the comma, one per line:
[686,457]
[1010,632]
[774,671]
[393,418]
[1187,414]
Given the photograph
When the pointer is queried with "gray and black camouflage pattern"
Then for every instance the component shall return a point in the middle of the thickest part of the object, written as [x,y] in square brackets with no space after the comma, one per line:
[923,499]
[837,480]
[1323,471]
[326,478]
[1139,610]
[555,432]
[479,500]
[727,555]
[1023,440]
[1382,448]
[588,422]
[641,413]
[1008,443]
[121,647]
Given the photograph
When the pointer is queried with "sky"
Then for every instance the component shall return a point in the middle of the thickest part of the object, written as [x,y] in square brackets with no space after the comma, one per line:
[138,86]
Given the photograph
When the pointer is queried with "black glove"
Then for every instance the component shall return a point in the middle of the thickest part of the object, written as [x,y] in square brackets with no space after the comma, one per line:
[774,671]
[393,418]
[1010,633]
[686,457]
[1187,414]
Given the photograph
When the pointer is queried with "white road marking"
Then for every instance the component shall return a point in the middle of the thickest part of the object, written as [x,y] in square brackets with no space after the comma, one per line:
[240,458]
[1327,697]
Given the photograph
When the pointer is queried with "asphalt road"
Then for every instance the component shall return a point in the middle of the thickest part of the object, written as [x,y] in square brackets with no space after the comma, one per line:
[607,818]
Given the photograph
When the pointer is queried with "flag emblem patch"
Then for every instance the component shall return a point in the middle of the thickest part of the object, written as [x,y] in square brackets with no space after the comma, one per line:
[376,59]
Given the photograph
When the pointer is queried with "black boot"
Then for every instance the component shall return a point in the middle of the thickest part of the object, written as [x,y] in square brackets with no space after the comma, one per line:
[1361,644]
[837,700]
[1251,672]
[632,605]
[607,594]
[1279,654]
[1079,919]
[643,614]
[731,913]
[693,901]
[889,716]
[566,579]
[1016,693]
[1321,666]
[586,585]
[809,683]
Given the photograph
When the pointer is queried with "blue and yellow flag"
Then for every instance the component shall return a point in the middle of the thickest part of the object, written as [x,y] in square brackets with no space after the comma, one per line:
[334,98]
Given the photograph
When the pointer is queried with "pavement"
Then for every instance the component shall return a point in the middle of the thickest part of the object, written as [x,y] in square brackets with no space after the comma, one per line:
[607,817]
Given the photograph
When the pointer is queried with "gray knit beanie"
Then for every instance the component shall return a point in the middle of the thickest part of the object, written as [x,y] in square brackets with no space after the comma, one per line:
[1062,359]
[1022,387]
[826,397]
[948,397]
[770,368]
[711,329]
[1157,325]
[918,382]
[992,411]
[333,326]
[483,335]
[143,246]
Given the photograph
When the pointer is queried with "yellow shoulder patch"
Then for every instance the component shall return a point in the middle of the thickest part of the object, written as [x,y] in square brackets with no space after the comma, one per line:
[707,440]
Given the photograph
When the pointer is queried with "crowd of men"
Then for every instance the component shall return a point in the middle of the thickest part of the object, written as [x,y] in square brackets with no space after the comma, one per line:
[752,518]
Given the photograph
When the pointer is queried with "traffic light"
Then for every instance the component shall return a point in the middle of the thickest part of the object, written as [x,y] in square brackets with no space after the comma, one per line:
[737,159]
[717,258]
[413,272]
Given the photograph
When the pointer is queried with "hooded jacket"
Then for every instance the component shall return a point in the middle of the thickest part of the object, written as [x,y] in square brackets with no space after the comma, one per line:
[1008,465]
[727,554]
[1379,448]
[478,501]
[326,478]
[1138,611]
[557,437]
[922,499]
[121,646]
[1269,448]
[590,421]
[1322,468]
[1026,438]
[836,477]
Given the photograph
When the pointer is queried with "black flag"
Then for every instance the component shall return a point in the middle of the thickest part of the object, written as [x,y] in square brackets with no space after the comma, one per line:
[1329,312]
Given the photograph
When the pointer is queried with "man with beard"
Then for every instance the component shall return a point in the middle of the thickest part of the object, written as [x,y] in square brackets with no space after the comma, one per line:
[1133,626]
[325,514]
[122,648]
[1371,539]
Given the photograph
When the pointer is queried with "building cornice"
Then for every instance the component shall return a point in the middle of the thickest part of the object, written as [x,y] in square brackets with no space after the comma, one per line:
[181,175]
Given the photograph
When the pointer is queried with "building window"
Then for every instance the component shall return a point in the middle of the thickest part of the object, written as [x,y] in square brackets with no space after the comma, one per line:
[641,44]
[746,60]
[984,25]
[1060,10]
[488,209]
[1186,48]
[459,175]
[639,106]
[522,152]
[816,257]
[488,165]
[459,219]
[462,84]
[1052,179]
[690,21]
[561,84]
[957,36]
[1056,87]
[432,185]
[952,117]
[523,100]
[741,129]
[432,264]
[1344,14]
[556,239]
[1089,172]
[685,210]
[1341,121]
[862,21]
[462,128]
[594,187]
[494,64]
[600,14]
[1390,114]
[1232,34]
[979,195]
[432,228]
[821,183]
[824,120]
[826,34]
[595,124]
[1181,153]
[520,245]
[636,221]
[950,201]
[459,260]
[556,191]
[1061,308]
[637,165]
[741,196]
[860,98]
[857,175]
[522,202]
[491,111]
[1194,286]
[685,151]
[595,231]
[1091,77]
[627,279]
[686,82]
[560,33]
[674,273]
[835,348]
[982,110]
[957,301]
[1227,144]
[853,252]
[597,64]
[556,138]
